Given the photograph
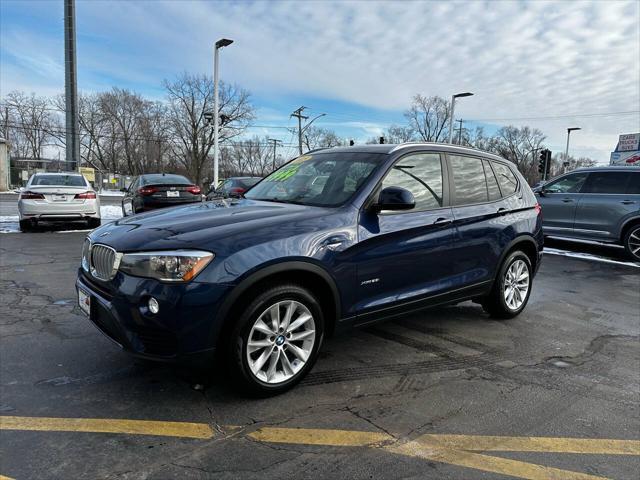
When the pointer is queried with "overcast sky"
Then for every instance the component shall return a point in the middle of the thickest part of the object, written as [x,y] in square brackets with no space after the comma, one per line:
[358,62]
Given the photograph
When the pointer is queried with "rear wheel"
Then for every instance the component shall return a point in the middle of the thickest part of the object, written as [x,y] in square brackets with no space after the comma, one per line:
[632,243]
[26,225]
[276,340]
[512,287]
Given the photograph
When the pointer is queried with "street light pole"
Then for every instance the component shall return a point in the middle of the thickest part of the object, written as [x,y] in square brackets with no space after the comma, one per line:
[224,42]
[453,107]
[566,152]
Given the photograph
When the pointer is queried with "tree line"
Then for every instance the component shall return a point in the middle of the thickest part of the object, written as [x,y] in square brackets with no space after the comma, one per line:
[123,132]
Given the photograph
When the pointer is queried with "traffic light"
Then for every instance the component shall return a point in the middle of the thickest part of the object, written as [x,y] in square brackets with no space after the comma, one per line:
[542,163]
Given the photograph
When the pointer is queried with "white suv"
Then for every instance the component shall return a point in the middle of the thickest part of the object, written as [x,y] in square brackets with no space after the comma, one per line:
[58,197]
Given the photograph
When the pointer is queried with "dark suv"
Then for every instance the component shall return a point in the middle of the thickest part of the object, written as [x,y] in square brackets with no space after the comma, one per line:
[335,238]
[599,204]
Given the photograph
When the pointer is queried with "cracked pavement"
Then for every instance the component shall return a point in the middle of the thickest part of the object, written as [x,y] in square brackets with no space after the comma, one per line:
[569,366]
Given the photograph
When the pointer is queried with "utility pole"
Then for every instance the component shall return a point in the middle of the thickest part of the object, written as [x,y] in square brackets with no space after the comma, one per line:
[460,131]
[72,143]
[298,114]
[275,144]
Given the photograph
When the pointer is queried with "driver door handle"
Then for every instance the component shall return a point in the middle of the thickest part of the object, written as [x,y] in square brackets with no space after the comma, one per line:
[627,202]
[502,211]
[567,200]
[442,221]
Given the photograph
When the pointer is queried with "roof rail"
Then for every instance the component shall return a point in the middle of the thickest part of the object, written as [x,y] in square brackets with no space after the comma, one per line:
[440,145]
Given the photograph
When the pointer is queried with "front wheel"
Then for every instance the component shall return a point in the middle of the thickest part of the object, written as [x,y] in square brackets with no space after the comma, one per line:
[276,340]
[512,287]
[632,243]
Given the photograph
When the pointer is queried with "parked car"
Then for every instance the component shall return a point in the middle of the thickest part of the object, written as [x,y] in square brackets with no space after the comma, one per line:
[599,204]
[58,197]
[233,187]
[262,281]
[159,190]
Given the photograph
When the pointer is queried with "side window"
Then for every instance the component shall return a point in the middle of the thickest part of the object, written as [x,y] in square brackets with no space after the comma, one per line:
[606,182]
[506,179]
[569,184]
[492,184]
[421,174]
[468,180]
[634,183]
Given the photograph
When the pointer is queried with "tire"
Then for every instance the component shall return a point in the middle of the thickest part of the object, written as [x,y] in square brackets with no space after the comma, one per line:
[632,243]
[26,225]
[261,370]
[496,304]
[94,223]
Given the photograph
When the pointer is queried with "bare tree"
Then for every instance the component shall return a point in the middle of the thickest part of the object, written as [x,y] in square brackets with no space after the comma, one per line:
[316,137]
[520,146]
[189,98]
[31,123]
[429,118]
[396,134]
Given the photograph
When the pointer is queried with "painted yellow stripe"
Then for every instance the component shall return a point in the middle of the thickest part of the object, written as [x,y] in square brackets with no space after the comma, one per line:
[311,436]
[2,477]
[104,425]
[535,444]
[487,463]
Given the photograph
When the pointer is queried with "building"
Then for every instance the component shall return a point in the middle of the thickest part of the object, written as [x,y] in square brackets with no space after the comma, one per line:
[4,165]
[627,151]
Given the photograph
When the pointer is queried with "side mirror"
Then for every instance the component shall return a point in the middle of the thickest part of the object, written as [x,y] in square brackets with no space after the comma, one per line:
[395,198]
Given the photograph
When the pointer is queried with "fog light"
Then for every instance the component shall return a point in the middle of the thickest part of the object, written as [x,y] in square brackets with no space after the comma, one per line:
[154,307]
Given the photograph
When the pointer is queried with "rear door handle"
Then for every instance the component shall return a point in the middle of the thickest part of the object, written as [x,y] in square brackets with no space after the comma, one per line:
[502,211]
[442,221]
[567,200]
[627,202]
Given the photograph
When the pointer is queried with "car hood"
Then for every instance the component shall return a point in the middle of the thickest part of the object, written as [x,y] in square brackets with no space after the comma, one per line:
[200,225]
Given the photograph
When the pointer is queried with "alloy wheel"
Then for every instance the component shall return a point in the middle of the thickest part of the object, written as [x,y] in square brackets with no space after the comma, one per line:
[516,284]
[634,243]
[281,341]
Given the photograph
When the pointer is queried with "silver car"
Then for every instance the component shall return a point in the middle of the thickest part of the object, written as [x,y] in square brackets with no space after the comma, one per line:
[599,204]
[58,197]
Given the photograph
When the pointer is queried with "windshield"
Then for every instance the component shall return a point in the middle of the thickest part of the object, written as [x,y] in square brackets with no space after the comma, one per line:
[59,180]
[165,179]
[322,179]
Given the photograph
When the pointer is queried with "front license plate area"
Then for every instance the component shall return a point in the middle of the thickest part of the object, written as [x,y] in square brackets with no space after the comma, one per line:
[173,194]
[84,301]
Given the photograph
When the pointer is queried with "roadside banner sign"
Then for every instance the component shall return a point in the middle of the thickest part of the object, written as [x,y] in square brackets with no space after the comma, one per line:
[89,173]
[627,151]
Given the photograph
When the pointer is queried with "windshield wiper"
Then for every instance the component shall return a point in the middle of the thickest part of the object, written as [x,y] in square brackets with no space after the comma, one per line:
[278,200]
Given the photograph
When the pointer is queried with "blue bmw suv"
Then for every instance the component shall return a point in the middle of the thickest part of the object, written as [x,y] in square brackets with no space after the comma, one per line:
[335,238]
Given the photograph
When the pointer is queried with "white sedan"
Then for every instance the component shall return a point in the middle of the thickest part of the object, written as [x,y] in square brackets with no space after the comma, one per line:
[58,197]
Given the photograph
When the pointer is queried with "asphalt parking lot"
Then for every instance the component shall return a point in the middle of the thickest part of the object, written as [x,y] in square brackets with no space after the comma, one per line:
[448,393]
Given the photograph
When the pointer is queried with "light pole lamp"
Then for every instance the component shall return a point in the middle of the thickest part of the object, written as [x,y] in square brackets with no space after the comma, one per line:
[453,104]
[223,42]
[566,152]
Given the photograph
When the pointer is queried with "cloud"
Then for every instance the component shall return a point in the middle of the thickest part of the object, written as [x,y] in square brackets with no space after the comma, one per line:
[521,59]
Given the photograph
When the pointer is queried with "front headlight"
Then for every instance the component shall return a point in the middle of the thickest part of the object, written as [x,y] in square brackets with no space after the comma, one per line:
[167,266]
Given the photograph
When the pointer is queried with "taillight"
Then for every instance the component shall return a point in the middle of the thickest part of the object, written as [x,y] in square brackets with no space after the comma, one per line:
[194,189]
[237,190]
[31,196]
[86,195]
[147,190]
[538,208]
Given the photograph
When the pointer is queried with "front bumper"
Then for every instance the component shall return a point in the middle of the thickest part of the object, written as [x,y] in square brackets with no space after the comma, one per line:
[185,328]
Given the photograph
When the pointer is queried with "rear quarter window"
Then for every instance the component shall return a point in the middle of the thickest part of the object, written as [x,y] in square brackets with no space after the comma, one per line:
[506,178]
[633,186]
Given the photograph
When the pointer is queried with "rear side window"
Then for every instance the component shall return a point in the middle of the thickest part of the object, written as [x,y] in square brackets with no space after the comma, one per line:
[468,179]
[569,184]
[421,174]
[506,179]
[59,180]
[492,183]
[634,183]
[606,182]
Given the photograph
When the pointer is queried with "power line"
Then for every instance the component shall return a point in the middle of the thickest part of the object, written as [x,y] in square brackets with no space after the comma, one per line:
[575,115]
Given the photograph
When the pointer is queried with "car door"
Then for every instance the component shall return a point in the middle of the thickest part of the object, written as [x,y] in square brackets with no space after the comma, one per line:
[402,257]
[477,208]
[559,199]
[603,204]
[127,200]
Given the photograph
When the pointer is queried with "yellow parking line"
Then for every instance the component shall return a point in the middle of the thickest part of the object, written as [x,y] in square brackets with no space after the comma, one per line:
[503,466]
[312,436]
[104,425]
[2,477]
[535,444]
